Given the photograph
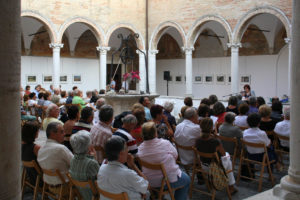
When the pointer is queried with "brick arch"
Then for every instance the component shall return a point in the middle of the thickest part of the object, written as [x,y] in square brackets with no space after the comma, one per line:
[159,31]
[238,30]
[44,20]
[140,40]
[97,31]
[193,32]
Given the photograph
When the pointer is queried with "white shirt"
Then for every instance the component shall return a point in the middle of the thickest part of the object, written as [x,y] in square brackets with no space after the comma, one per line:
[54,156]
[241,121]
[115,177]
[96,117]
[186,134]
[255,135]
[62,100]
[283,128]
[32,102]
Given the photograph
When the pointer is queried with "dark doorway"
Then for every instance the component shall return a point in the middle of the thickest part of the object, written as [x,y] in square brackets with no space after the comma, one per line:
[118,75]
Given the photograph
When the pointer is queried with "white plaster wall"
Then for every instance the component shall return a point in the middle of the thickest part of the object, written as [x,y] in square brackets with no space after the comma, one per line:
[39,66]
[269,75]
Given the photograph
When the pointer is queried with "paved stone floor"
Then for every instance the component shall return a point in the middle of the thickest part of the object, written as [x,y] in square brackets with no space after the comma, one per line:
[245,189]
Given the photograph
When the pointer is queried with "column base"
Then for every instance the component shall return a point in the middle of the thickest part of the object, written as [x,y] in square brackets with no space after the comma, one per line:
[287,189]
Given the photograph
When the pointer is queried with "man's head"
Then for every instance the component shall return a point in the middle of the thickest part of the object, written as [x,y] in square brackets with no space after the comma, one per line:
[73,112]
[145,101]
[253,120]
[243,108]
[27,87]
[88,94]
[252,101]
[116,149]
[56,91]
[87,115]
[106,114]
[80,142]
[77,92]
[149,131]
[191,114]
[286,113]
[51,87]
[203,110]
[52,111]
[129,122]
[213,99]
[38,87]
[218,108]
[32,95]
[74,88]
[55,131]
[188,101]
[99,103]
[229,117]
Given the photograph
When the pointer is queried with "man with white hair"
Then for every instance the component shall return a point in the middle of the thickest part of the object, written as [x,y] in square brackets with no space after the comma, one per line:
[168,107]
[99,103]
[284,128]
[83,166]
[129,123]
[56,97]
[186,134]
[52,114]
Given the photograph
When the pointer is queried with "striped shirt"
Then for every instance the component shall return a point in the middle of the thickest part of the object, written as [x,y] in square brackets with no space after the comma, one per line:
[131,142]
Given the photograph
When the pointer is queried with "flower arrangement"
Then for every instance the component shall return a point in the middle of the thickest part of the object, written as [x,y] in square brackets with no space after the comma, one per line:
[132,76]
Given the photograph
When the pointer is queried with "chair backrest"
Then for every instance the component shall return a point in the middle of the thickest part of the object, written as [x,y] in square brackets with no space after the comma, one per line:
[207,155]
[281,137]
[83,184]
[101,149]
[227,139]
[243,127]
[54,173]
[120,196]
[178,146]
[254,145]
[32,164]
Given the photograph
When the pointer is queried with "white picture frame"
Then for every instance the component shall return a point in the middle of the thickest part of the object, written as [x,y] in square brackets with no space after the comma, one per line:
[31,78]
[198,79]
[76,78]
[220,79]
[245,79]
[47,78]
[63,79]
[209,79]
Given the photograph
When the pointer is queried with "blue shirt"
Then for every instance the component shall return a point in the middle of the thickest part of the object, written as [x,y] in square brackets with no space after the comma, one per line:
[147,114]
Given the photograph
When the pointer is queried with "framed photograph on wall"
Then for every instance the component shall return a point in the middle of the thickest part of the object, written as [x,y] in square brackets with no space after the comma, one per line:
[178,79]
[31,79]
[47,78]
[63,79]
[228,79]
[198,79]
[209,79]
[220,78]
[245,79]
[76,78]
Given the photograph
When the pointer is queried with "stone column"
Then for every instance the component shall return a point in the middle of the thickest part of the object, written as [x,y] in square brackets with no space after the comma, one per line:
[235,80]
[10,134]
[103,70]
[188,71]
[152,71]
[289,187]
[142,70]
[288,41]
[56,63]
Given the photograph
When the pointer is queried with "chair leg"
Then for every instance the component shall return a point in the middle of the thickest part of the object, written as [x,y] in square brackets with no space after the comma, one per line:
[36,187]
[213,194]
[43,192]
[261,176]
[240,169]
[23,182]
[192,183]
[228,192]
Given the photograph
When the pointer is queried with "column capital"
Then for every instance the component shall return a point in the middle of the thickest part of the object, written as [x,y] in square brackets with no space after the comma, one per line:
[288,40]
[234,45]
[56,45]
[188,50]
[153,52]
[140,53]
[103,50]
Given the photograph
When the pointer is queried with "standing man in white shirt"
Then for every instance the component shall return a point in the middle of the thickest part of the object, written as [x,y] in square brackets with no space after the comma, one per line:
[186,134]
[54,155]
[284,128]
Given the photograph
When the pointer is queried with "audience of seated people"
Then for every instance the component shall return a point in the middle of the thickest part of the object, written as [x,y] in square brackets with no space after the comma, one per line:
[207,143]
[115,177]
[101,132]
[144,139]
[83,166]
[158,150]
[186,134]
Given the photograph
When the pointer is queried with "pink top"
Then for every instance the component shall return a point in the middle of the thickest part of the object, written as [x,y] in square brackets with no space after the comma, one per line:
[159,151]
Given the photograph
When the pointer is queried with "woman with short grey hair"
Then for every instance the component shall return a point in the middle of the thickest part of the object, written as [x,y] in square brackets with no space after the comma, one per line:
[168,108]
[83,166]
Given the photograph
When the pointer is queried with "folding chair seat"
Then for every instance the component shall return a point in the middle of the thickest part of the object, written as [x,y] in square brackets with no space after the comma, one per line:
[178,161]
[57,192]
[164,182]
[120,196]
[197,168]
[235,152]
[74,185]
[26,179]
[264,163]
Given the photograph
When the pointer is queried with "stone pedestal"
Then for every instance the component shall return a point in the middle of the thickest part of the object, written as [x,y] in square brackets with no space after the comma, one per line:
[122,103]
